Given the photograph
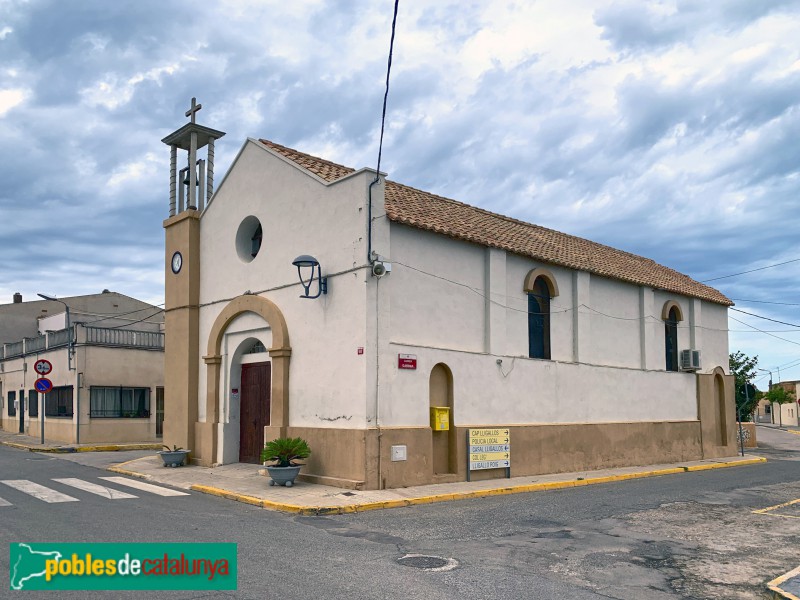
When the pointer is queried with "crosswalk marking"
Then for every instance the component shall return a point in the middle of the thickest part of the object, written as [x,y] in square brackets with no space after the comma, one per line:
[94,488]
[4,502]
[38,491]
[147,487]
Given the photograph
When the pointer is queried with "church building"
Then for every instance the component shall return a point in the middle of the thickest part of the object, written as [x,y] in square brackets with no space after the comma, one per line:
[382,323]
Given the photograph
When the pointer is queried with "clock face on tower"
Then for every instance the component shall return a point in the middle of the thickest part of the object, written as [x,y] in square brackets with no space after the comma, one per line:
[177,262]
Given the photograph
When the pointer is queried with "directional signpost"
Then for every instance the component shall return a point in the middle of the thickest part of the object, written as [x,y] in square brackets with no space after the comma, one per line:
[489,449]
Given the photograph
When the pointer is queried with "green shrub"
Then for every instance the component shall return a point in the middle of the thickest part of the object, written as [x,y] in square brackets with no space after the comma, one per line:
[285,450]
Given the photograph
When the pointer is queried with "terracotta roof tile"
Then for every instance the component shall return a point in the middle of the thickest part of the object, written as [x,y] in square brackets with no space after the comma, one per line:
[329,171]
[424,210]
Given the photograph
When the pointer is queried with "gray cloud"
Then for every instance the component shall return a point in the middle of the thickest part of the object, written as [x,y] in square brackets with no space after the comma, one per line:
[696,169]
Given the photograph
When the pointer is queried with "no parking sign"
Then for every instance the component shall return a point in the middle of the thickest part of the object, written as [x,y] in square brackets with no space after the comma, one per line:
[43,385]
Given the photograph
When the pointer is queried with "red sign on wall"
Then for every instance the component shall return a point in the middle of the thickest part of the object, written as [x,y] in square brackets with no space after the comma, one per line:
[406,361]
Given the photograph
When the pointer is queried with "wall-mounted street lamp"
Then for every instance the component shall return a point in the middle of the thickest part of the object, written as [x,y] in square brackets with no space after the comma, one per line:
[70,345]
[305,261]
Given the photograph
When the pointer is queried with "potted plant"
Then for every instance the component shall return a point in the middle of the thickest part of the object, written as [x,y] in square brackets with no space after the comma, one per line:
[284,451]
[173,457]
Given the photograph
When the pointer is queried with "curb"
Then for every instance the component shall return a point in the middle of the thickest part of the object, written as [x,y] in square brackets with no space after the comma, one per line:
[399,503]
[777,592]
[118,468]
[72,449]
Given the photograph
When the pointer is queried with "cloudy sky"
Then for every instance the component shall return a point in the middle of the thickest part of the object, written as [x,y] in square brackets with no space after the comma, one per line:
[668,129]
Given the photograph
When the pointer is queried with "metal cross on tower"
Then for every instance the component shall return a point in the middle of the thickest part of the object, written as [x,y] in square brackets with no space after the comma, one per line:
[193,110]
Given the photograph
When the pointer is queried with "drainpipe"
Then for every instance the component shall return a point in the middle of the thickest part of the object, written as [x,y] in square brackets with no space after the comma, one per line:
[378,383]
[377,179]
[370,261]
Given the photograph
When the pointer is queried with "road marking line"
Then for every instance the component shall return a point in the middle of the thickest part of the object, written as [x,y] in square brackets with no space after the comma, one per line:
[762,511]
[38,491]
[4,502]
[779,515]
[147,487]
[775,584]
[94,488]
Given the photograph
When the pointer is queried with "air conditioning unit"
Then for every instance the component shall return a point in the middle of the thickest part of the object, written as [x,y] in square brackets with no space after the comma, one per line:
[690,360]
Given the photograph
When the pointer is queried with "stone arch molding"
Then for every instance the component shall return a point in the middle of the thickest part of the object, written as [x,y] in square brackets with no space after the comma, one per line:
[668,306]
[279,353]
[548,277]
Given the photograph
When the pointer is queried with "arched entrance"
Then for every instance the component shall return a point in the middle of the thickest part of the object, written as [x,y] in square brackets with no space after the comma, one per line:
[441,394]
[719,400]
[246,385]
[279,354]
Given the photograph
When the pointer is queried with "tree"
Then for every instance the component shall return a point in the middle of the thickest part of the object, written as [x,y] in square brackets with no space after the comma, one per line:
[779,395]
[743,368]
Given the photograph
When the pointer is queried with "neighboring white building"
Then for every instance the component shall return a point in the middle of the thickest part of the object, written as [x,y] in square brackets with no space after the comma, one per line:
[572,345]
[781,414]
[107,384]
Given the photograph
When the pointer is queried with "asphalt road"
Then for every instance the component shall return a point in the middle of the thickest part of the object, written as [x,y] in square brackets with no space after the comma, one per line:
[691,535]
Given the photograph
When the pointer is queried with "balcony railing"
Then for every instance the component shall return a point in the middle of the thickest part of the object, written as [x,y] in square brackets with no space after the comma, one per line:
[36,344]
[59,338]
[124,337]
[15,349]
[92,336]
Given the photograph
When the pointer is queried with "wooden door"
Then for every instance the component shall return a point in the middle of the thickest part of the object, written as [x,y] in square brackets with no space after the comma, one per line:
[159,412]
[253,410]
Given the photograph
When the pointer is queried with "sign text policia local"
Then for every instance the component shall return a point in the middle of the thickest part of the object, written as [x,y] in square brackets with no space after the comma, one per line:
[489,449]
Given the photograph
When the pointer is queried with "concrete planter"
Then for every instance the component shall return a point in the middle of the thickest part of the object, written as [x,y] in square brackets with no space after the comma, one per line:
[283,475]
[174,458]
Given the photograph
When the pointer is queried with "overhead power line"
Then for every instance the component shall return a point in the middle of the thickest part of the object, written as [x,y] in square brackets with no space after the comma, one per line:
[752,270]
[764,332]
[765,318]
[766,302]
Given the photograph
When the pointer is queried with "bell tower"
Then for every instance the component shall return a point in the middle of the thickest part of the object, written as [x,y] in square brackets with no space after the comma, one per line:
[190,189]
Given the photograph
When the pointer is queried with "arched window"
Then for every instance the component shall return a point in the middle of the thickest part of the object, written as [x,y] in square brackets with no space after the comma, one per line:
[671,338]
[539,319]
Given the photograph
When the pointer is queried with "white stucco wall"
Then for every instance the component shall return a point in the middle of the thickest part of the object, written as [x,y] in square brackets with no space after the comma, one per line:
[299,215]
[532,391]
[430,309]
[607,340]
[614,322]
[444,301]
[714,344]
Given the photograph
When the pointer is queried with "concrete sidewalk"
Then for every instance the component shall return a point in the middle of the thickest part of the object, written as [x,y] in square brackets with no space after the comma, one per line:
[245,483]
[33,444]
[248,483]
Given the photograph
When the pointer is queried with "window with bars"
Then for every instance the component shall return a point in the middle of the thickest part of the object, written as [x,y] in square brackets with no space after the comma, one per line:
[12,404]
[119,402]
[58,402]
[33,403]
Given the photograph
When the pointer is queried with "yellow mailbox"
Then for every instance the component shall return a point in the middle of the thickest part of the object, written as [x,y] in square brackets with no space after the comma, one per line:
[440,418]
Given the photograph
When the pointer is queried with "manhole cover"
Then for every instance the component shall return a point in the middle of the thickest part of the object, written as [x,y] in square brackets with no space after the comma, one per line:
[428,563]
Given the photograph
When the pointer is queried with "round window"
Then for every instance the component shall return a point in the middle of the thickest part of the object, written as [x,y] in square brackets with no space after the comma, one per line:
[248,239]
